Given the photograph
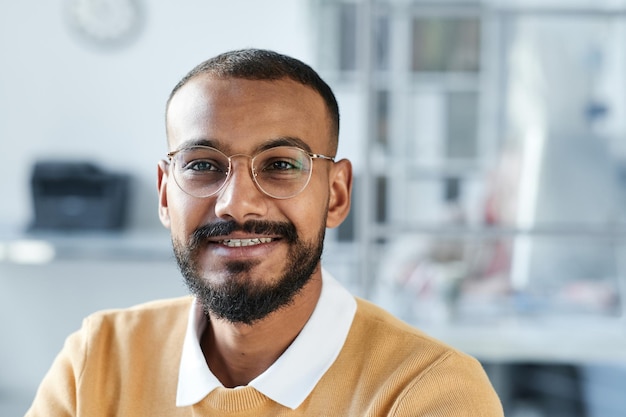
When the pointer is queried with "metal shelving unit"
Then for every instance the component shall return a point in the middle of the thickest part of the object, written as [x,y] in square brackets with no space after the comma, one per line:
[419,174]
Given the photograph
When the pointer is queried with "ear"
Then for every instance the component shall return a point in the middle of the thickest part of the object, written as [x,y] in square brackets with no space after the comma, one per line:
[162,177]
[340,192]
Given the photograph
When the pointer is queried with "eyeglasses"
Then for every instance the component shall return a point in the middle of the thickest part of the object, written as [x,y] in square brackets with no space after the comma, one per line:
[280,172]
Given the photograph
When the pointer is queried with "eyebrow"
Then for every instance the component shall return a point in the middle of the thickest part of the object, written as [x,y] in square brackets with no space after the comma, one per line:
[271,143]
[213,143]
[284,141]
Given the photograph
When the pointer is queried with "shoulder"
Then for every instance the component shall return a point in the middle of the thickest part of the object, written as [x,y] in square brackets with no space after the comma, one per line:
[139,332]
[407,347]
[152,319]
[421,370]
[377,321]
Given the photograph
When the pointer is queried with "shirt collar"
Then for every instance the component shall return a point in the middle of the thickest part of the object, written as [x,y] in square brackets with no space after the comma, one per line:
[290,379]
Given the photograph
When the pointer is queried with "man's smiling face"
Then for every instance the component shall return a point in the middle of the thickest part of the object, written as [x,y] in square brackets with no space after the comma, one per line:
[244,253]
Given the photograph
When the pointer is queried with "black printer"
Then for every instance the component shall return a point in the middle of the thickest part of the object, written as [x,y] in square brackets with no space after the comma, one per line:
[77,196]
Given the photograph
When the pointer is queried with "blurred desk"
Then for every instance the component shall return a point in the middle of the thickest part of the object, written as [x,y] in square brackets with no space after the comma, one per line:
[541,340]
[42,248]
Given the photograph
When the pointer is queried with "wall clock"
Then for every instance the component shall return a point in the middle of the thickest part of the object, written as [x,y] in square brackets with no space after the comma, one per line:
[106,23]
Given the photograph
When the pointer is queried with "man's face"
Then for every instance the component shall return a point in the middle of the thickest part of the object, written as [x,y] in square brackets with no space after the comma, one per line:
[243,253]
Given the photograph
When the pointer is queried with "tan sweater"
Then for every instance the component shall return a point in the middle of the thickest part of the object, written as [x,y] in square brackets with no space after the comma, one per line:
[125,363]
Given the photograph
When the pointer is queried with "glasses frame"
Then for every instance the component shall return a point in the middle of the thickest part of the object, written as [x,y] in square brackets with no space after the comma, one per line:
[312,156]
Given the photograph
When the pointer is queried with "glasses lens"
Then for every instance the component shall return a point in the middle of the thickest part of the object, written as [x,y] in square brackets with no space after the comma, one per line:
[282,172]
[200,171]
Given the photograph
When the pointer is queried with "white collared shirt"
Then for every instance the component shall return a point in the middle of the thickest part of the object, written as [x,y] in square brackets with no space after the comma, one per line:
[290,379]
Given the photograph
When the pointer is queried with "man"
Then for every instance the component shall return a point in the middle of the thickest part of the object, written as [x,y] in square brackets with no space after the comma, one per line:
[247,190]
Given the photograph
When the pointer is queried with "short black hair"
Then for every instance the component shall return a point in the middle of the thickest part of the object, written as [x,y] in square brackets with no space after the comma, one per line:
[262,64]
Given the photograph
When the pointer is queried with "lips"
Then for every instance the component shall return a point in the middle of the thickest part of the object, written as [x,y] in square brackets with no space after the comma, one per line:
[230,234]
[236,243]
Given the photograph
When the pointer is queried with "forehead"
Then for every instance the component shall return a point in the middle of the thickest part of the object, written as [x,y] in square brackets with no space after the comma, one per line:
[241,115]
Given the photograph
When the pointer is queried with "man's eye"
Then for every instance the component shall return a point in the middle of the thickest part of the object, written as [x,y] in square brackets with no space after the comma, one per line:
[202,166]
[282,164]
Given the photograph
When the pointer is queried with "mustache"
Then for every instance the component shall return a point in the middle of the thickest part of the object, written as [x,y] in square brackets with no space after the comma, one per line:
[214,230]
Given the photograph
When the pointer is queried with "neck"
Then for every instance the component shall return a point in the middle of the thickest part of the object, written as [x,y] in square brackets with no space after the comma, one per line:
[237,353]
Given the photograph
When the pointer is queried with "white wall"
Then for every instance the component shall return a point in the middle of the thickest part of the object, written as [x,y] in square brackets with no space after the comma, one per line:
[61,98]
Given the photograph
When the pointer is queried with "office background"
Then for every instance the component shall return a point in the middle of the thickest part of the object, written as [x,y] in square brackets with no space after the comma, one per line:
[489,150]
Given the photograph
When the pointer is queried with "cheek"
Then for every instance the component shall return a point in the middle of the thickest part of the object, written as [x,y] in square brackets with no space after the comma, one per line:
[186,213]
[308,214]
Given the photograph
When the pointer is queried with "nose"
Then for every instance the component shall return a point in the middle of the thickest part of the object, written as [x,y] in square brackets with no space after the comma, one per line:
[240,199]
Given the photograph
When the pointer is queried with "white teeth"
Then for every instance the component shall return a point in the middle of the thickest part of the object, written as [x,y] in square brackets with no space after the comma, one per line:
[233,243]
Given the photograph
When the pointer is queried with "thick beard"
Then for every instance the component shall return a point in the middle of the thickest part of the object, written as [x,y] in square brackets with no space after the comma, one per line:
[246,300]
